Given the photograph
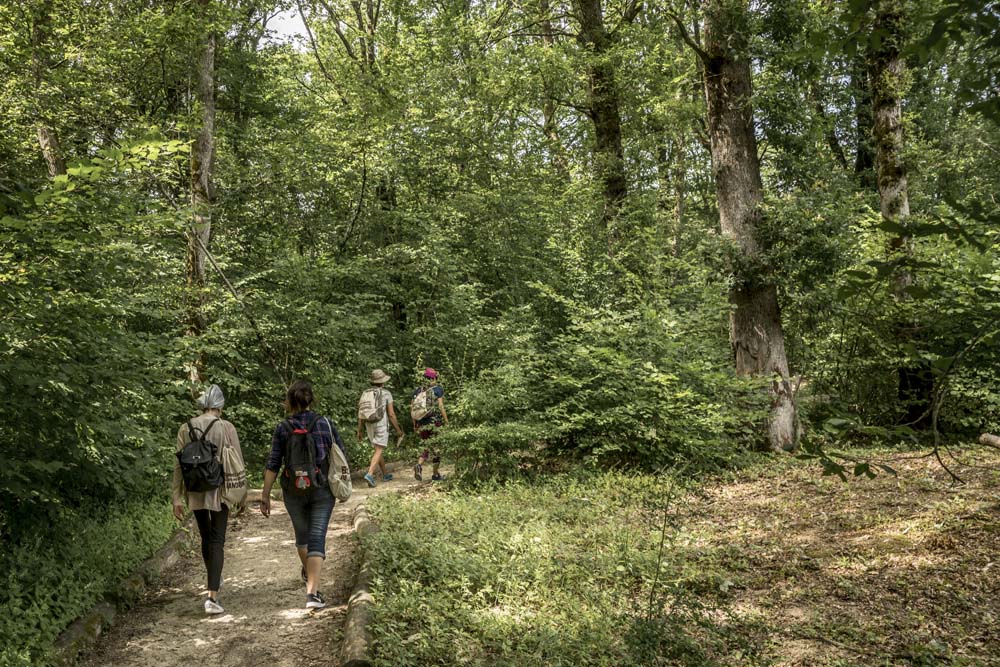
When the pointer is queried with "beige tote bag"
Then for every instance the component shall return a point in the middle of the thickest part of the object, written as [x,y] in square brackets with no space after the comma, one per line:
[234,490]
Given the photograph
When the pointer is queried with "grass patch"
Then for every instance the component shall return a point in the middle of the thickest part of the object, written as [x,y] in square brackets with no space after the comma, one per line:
[775,565]
[560,573]
[65,567]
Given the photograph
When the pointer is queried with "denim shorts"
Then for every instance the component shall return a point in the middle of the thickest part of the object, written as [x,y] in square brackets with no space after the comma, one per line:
[310,517]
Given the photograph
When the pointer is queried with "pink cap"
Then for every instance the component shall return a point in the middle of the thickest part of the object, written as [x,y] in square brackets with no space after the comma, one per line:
[430,373]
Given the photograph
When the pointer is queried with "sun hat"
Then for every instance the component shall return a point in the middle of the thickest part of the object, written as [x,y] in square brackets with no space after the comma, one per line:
[212,398]
[379,376]
[430,373]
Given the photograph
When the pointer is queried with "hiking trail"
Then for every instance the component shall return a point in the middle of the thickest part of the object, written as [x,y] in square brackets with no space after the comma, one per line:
[265,621]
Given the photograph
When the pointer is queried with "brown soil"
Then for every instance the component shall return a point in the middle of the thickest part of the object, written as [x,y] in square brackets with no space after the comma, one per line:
[899,570]
[265,622]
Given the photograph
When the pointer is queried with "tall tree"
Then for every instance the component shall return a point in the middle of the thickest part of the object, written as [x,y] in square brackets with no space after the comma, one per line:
[888,76]
[48,137]
[864,158]
[756,334]
[603,107]
[202,158]
[550,123]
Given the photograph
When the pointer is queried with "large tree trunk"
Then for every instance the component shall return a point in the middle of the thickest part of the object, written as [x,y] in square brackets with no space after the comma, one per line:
[603,109]
[888,79]
[202,158]
[756,335]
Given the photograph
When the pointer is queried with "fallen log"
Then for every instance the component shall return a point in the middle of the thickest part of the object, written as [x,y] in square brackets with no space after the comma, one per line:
[989,439]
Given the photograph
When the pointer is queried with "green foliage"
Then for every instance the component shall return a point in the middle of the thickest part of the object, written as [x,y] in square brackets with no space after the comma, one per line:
[526,575]
[67,563]
[428,196]
[86,349]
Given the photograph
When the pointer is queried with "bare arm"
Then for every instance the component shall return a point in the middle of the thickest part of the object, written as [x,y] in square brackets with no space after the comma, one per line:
[395,422]
[177,484]
[265,494]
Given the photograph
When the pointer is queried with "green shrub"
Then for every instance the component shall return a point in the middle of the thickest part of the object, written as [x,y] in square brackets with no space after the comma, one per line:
[65,566]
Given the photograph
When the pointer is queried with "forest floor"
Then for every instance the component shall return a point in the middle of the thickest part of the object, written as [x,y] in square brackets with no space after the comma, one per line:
[897,570]
[804,570]
[265,622]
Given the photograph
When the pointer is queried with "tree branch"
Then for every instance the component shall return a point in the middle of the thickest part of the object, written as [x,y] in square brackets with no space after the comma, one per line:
[702,55]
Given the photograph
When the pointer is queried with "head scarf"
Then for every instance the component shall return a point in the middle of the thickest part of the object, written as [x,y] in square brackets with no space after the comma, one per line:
[212,398]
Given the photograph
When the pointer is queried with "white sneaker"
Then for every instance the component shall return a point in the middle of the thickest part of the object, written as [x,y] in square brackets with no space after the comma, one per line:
[213,607]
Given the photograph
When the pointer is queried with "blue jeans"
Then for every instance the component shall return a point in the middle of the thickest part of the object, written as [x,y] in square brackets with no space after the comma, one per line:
[310,518]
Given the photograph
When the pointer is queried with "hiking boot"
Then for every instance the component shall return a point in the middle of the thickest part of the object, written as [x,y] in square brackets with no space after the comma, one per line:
[387,477]
[315,601]
[369,479]
[418,472]
[213,607]
[436,477]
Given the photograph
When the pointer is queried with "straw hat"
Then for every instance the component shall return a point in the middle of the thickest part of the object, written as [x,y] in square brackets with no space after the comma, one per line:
[379,376]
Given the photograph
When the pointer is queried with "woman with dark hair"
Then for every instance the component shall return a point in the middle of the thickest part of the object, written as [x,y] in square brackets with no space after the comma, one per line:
[306,495]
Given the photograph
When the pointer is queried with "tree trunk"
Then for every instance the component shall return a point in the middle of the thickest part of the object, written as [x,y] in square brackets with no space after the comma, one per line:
[671,185]
[756,335]
[550,127]
[603,109]
[864,155]
[888,79]
[48,138]
[829,128]
[202,158]
[989,439]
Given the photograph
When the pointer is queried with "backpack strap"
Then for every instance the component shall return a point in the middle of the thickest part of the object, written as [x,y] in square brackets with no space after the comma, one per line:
[204,433]
[209,427]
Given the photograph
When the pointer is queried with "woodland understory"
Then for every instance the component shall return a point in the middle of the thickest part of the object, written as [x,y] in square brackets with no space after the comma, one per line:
[659,237]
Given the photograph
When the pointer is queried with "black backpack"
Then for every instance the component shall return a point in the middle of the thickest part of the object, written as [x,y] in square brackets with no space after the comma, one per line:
[301,475]
[199,461]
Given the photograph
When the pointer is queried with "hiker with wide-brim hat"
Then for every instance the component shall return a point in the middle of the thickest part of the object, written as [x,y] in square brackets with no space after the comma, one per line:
[375,412]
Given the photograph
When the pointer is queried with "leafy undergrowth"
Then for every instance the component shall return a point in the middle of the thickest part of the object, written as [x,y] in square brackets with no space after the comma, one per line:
[66,567]
[775,566]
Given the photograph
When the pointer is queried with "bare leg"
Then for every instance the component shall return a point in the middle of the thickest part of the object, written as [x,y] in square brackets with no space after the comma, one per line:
[376,461]
[314,564]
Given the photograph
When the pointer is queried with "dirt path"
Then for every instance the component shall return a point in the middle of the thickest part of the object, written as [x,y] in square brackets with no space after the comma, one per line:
[266,622]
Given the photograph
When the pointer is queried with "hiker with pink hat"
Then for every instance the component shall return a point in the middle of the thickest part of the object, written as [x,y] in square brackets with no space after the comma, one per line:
[428,414]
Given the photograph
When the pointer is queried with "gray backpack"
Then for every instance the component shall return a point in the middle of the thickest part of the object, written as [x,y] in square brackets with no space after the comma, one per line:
[371,407]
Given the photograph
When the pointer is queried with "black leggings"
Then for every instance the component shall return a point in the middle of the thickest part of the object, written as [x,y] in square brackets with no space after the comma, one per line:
[212,527]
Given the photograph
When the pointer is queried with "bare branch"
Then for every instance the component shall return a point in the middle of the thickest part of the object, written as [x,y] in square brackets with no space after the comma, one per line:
[702,55]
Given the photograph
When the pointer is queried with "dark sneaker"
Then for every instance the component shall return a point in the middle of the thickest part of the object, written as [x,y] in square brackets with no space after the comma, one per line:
[418,472]
[387,477]
[369,479]
[436,477]
[315,601]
